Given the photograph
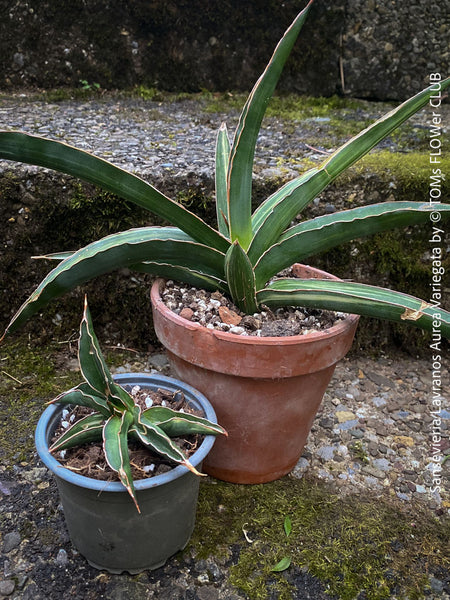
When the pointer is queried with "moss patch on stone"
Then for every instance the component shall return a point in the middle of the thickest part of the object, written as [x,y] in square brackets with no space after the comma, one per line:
[357,546]
[408,173]
[28,380]
[30,376]
[326,122]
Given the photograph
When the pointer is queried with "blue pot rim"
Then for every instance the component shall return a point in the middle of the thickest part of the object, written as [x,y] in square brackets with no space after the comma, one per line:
[152,381]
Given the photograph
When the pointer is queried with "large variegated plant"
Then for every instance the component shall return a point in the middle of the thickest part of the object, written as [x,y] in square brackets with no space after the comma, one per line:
[246,250]
[116,416]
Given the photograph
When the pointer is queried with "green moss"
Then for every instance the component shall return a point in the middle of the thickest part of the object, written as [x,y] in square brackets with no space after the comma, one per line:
[358,451]
[64,94]
[353,544]
[30,376]
[146,93]
[199,201]
[28,379]
[101,212]
[326,122]
[409,172]
[289,106]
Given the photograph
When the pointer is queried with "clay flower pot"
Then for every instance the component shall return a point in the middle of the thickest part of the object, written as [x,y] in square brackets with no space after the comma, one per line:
[101,517]
[265,391]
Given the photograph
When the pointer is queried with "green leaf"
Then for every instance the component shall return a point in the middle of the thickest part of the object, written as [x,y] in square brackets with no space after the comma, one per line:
[84,395]
[174,423]
[282,565]
[94,368]
[35,150]
[88,429]
[187,275]
[287,526]
[322,233]
[124,249]
[243,149]
[355,298]
[155,438]
[241,279]
[115,445]
[222,160]
[90,358]
[274,215]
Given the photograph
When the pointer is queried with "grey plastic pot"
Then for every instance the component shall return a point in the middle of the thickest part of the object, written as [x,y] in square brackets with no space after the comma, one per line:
[101,517]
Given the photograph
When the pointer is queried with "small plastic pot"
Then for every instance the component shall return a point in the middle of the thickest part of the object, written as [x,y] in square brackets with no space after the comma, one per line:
[101,517]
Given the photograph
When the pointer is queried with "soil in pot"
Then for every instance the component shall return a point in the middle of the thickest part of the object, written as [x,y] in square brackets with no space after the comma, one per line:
[215,311]
[89,459]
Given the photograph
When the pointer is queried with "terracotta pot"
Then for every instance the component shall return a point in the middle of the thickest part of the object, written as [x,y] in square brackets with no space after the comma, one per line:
[265,391]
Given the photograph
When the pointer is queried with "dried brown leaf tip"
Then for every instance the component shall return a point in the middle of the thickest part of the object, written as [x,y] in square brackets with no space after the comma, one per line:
[413,315]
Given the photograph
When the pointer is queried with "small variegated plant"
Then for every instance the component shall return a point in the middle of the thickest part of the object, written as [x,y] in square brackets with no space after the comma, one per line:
[116,417]
[245,252]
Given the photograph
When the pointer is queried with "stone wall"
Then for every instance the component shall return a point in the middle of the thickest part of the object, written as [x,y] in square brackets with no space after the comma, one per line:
[381,49]
[390,47]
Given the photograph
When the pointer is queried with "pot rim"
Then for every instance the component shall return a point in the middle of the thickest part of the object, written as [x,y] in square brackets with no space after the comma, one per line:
[156,381]
[335,330]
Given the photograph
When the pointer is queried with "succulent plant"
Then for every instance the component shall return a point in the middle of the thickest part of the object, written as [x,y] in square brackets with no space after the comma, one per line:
[247,250]
[116,417]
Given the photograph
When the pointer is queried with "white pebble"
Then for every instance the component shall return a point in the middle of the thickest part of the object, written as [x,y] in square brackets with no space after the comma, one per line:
[237,330]
[62,454]
[148,402]
[342,450]
[163,403]
[65,424]
[65,413]
[149,468]
[135,389]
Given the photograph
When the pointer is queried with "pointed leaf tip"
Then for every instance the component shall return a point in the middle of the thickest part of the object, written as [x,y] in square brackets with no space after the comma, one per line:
[130,488]
[191,468]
